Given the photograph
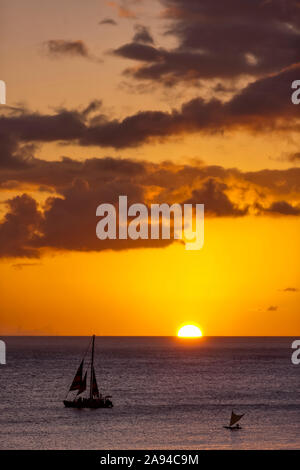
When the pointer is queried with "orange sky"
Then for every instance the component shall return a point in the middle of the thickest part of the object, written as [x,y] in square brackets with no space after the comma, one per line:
[245,281]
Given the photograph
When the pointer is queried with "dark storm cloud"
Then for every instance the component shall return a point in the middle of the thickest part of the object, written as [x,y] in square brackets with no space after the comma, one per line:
[280,182]
[142,34]
[67,220]
[137,51]
[290,289]
[19,228]
[224,39]
[108,21]
[215,200]
[282,208]
[57,175]
[12,154]
[64,125]
[262,106]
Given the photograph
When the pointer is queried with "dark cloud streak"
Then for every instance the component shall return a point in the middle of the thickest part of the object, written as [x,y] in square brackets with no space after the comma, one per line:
[61,48]
[215,40]
[108,21]
[262,106]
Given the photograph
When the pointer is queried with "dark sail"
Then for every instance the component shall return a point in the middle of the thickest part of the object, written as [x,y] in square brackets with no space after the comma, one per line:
[95,391]
[77,381]
[92,399]
[234,418]
[83,385]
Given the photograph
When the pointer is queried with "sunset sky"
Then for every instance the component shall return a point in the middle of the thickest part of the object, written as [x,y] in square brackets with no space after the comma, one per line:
[163,101]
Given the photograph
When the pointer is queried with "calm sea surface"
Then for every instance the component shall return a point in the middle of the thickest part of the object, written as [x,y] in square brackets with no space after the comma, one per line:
[168,393]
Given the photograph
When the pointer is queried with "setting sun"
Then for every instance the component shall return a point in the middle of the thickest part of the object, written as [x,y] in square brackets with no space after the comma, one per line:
[189,331]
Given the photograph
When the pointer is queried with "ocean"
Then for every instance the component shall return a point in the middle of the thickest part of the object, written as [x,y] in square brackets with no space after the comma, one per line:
[168,393]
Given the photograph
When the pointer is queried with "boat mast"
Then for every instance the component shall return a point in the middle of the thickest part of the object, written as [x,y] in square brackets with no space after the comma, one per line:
[92,369]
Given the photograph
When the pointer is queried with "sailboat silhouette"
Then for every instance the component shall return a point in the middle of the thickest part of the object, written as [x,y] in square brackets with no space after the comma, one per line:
[95,399]
[233,421]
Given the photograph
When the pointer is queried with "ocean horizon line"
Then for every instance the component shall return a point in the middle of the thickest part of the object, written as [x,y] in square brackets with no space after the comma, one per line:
[144,336]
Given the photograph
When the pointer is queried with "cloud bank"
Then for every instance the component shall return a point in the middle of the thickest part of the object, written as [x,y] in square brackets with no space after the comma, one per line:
[67,218]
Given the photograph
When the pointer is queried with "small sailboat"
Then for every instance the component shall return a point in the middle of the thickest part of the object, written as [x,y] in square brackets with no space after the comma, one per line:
[94,399]
[233,425]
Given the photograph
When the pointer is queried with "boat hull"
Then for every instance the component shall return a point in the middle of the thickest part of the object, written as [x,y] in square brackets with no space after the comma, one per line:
[88,404]
[232,428]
